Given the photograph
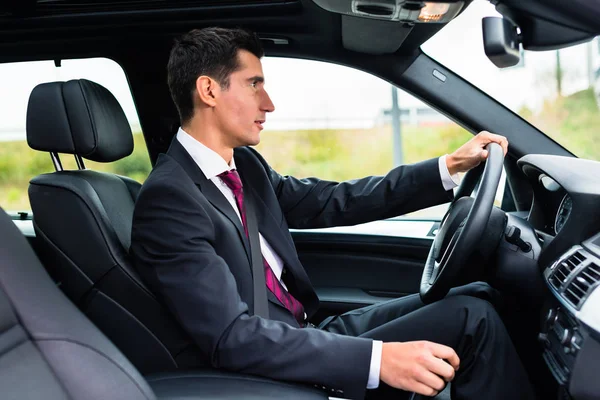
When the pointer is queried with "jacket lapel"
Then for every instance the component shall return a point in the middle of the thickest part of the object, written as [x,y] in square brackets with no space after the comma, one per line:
[271,231]
[208,188]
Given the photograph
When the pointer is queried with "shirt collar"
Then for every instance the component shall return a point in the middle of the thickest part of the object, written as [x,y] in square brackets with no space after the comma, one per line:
[210,163]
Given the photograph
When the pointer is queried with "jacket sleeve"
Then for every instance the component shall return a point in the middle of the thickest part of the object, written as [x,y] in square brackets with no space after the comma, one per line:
[315,203]
[172,247]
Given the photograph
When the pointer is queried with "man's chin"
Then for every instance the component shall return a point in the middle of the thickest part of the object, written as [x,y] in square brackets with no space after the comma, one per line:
[249,141]
[254,140]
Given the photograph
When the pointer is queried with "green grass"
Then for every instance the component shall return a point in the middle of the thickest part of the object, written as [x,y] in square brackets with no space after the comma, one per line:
[572,121]
[354,153]
[19,163]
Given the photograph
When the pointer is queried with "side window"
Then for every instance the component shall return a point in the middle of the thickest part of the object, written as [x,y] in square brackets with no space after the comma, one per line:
[19,163]
[338,123]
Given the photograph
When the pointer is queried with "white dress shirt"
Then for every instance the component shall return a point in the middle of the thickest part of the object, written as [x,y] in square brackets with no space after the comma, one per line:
[212,164]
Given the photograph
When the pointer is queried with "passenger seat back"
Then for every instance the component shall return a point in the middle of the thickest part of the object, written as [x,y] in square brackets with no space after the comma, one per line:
[48,349]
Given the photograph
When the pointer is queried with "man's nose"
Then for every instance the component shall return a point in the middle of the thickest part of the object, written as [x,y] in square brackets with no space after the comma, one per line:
[267,105]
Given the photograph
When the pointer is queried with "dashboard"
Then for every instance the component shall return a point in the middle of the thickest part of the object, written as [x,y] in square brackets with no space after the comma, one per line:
[553,202]
[563,213]
[566,216]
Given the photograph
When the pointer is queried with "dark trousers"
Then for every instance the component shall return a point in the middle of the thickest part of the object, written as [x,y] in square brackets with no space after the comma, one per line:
[466,321]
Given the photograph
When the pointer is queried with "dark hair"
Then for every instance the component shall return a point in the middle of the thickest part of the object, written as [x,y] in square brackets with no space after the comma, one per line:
[211,52]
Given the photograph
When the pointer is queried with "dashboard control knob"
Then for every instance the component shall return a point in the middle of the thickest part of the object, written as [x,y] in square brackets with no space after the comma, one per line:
[575,344]
[566,337]
[543,339]
[551,318]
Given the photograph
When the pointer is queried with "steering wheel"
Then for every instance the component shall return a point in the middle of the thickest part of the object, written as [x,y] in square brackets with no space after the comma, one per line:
[462,228]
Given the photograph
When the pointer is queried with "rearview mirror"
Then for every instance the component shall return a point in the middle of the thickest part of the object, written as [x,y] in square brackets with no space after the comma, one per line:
[501,41]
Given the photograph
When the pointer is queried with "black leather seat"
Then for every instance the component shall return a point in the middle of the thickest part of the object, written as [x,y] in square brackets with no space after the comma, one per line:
[49,350]
[82,221]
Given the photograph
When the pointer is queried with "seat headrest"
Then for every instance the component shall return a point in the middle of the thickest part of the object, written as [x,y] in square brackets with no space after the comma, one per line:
[78,117]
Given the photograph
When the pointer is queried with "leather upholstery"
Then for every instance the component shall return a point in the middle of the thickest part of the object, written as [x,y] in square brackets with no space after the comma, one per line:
[219,384]
[50,350]
[46,345]
[78,117]
[82,221]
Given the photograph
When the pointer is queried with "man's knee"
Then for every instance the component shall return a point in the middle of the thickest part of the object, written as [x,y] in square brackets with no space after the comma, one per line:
[473,307]
[480,290]
[478,319]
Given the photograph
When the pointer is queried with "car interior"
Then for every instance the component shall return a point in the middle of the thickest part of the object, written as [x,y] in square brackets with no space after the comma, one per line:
[78,322]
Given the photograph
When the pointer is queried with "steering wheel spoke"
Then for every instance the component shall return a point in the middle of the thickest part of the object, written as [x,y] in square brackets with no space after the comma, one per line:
[434,272]
[440,263]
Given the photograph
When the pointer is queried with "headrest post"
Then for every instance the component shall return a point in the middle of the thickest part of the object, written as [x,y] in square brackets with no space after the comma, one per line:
[79,161]
[56,161]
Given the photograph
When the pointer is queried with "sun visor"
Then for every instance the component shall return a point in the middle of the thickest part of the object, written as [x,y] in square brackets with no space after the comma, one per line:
[372,37]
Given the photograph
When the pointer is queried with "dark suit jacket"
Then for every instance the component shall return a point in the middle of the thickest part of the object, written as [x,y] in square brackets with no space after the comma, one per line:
[189,246]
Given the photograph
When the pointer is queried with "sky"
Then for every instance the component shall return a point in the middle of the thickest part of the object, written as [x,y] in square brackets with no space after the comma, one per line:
[312,94]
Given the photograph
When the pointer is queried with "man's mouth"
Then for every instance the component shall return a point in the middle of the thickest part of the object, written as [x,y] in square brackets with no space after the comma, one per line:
[260,123]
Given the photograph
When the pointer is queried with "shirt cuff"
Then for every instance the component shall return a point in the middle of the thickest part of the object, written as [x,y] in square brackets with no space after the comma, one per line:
[448,181]
[373,382]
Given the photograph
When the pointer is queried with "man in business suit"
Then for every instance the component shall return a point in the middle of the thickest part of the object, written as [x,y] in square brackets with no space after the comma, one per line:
[190,243]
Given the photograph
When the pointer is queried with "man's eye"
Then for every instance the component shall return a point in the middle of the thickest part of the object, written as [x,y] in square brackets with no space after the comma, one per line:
[254,84]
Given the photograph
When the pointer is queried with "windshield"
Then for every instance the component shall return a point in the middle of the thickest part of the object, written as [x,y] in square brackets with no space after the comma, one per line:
[556,91]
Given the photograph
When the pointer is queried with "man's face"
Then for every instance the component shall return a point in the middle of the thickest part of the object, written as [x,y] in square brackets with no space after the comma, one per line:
[241,109]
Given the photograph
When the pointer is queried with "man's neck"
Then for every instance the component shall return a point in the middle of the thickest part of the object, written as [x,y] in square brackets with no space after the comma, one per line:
[210,138]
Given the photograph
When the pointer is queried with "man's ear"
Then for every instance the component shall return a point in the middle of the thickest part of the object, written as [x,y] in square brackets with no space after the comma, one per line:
[208,90]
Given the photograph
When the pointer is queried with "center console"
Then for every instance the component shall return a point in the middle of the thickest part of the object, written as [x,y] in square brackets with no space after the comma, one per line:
[570,332]
[562,341]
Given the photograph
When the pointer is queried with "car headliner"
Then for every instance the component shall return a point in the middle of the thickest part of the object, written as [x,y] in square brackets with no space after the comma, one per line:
[31,29]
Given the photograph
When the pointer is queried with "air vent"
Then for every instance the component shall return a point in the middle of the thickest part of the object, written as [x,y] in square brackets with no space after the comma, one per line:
[561,273]
[582,284]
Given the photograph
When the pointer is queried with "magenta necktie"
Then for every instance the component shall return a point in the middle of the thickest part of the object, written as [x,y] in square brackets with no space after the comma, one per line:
[232,180]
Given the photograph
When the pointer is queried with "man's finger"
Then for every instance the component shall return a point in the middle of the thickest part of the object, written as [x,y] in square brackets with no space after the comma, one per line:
[505,146]
[420,388]
[501,140]
[487,137]
[431,380]
[440,368]
[446,353]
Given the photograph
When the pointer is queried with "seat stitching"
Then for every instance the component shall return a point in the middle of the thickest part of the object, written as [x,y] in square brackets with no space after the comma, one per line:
[101,218]
[143,325]
[62,253]
[217,376]
[97,352]
[17,343]
[62,93]
[28,336]
[89,112]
